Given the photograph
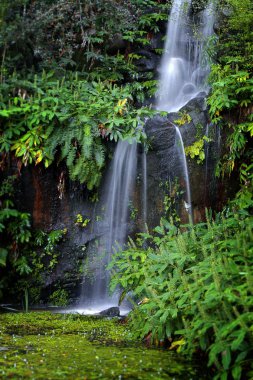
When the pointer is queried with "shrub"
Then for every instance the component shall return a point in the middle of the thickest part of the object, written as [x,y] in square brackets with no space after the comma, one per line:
[196,287]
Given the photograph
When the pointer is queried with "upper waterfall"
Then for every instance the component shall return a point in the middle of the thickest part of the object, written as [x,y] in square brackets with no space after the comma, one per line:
[184,68]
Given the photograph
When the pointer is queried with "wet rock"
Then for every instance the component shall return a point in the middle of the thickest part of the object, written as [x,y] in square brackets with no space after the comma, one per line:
[165,162]
[117,44]
[148,61]
[110,312]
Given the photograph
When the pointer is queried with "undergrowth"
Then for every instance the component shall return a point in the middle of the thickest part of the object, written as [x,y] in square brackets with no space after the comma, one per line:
[195,283]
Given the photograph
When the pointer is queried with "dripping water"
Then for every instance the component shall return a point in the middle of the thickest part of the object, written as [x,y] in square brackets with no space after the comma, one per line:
[180,147]
[144,189]
[206,150]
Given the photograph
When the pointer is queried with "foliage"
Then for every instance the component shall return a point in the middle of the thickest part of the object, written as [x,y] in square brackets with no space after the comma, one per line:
[72,117]
[14,229]
[24,254]
[231,98]
[45,243]
[197,149]
[185,118]
[81,221]
[172,199]
[59,297]
[133,210]
[66,35]
[197,286]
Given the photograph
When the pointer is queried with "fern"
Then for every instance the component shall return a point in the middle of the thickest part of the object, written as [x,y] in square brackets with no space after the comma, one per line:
[71,156]
[70,120]
[100,156]
[86,147]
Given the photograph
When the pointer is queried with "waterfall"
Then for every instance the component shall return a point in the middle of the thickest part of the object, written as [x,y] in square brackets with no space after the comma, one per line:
[120,188]
[206,147]
[184,68]
[114,228]
[144,189]
[180,147]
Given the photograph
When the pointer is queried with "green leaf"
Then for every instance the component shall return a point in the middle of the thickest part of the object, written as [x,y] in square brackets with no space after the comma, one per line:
[3,256]
[226,358]
[236,372]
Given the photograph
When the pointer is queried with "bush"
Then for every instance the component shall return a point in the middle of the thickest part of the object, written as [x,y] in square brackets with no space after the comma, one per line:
[66,120]
[196,287]
[59,298]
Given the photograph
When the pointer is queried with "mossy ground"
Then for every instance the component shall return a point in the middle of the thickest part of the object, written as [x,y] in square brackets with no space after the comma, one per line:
[56,346]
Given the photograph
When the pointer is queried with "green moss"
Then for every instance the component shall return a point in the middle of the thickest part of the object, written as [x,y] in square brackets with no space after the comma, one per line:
[55,346]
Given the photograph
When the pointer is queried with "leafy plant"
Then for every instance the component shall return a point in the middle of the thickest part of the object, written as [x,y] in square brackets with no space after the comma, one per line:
[185,118]
[196,283]
[59,297]
[197,149]
[80,221]
[69,120]
[231,97]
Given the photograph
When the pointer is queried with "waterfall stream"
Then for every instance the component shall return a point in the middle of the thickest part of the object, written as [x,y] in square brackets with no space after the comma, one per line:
[184,66]
[184,69]
[119,191]
[180,147]
[115,201]
[144,189]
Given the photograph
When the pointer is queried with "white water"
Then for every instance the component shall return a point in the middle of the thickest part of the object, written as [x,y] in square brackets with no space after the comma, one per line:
[183,67]
[144,189]
[180,147]
[206,146]
[116,196]
[118,193]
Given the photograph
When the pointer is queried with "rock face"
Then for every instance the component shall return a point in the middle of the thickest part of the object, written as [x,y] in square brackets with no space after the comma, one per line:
[54,203]
[165,168]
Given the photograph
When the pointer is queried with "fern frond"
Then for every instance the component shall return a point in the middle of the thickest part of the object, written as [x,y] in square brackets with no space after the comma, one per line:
[99,155]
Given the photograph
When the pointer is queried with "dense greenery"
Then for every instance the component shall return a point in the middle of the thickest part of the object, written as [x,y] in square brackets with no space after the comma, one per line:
[70,83]
[90,93]
[77,35]
[73,115]
[231,80]
[196,287]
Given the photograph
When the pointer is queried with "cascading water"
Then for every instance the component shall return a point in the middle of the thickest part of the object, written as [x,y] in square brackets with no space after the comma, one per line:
[115,200]
[206,154]
[180,147]
[118,194]
[183,68]
[144,189]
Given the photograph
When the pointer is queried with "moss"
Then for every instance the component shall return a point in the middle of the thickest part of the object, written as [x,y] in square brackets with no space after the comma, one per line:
[55,346]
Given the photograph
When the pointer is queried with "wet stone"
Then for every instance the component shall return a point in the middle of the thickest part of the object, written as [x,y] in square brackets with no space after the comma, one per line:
[110,312]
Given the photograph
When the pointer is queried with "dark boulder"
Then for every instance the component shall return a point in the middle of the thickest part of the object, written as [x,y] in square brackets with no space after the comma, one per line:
[110,312]
[148,61]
